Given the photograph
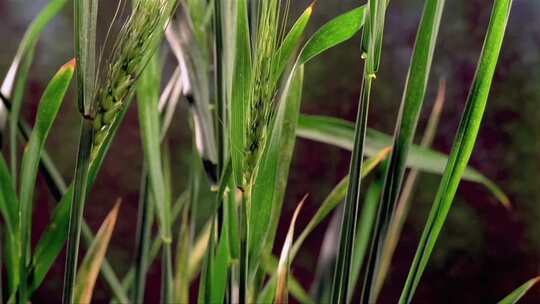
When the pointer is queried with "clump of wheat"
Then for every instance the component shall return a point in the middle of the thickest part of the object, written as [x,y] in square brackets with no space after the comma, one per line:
[272,19]
[133,47]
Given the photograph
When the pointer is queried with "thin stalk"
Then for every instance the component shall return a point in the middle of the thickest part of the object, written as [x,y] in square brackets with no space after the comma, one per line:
[219,87]
[85,16]
[128,279]
[77,209]
[243,276]
[15,113]
[342,271]
[167,273]
[144,232]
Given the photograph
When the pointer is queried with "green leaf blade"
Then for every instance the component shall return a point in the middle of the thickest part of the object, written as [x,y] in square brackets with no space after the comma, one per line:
[517,294]
[340,133]
[240,92]
[48,109]
[290,43]
[336,31]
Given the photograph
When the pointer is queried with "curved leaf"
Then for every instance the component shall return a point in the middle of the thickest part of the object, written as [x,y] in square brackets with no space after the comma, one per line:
[285,259]
[336,31]
[90,266]
[46,114]
[338,132]
[517,294]
[290,43]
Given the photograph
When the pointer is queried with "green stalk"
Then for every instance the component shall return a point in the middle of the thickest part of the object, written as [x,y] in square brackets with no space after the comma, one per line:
[371,45]
[144,231]
[219,87]
[243,275]
[77,209]
[85,16]
[128,279]
[342,270]
[167,273]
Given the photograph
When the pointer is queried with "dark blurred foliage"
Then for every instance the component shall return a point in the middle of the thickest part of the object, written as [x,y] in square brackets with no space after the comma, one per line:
[484,251]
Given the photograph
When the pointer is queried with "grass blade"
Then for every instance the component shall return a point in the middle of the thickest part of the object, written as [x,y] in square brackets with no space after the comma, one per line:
[463,144]
[403,205]
[8,210]
[281,296]
[340,133]
[91,264]
[48,109]
[517,294]
[148,96]
[240,92]
[144,228]
[8,199]
[361,242]
[338,30]
[290,43]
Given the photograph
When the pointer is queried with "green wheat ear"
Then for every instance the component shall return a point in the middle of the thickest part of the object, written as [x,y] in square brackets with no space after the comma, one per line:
[271,22]
[134,45]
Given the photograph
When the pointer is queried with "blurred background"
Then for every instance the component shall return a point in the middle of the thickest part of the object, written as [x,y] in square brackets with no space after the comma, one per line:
[484,252]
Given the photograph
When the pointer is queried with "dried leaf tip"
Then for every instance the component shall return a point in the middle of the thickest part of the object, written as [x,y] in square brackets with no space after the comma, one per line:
[311,7]
[69,65]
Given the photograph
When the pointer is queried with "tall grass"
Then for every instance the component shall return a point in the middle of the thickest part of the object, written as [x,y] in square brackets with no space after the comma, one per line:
[239,70]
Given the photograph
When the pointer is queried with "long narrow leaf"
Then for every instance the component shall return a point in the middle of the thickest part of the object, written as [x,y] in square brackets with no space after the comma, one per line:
[281,296]
[336,31]
[147,97]
[290,43]
[240,89]
[48,109]
[8,199]
[8,210]
[517,294]
[90,266]
[340,133]
[463,144]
